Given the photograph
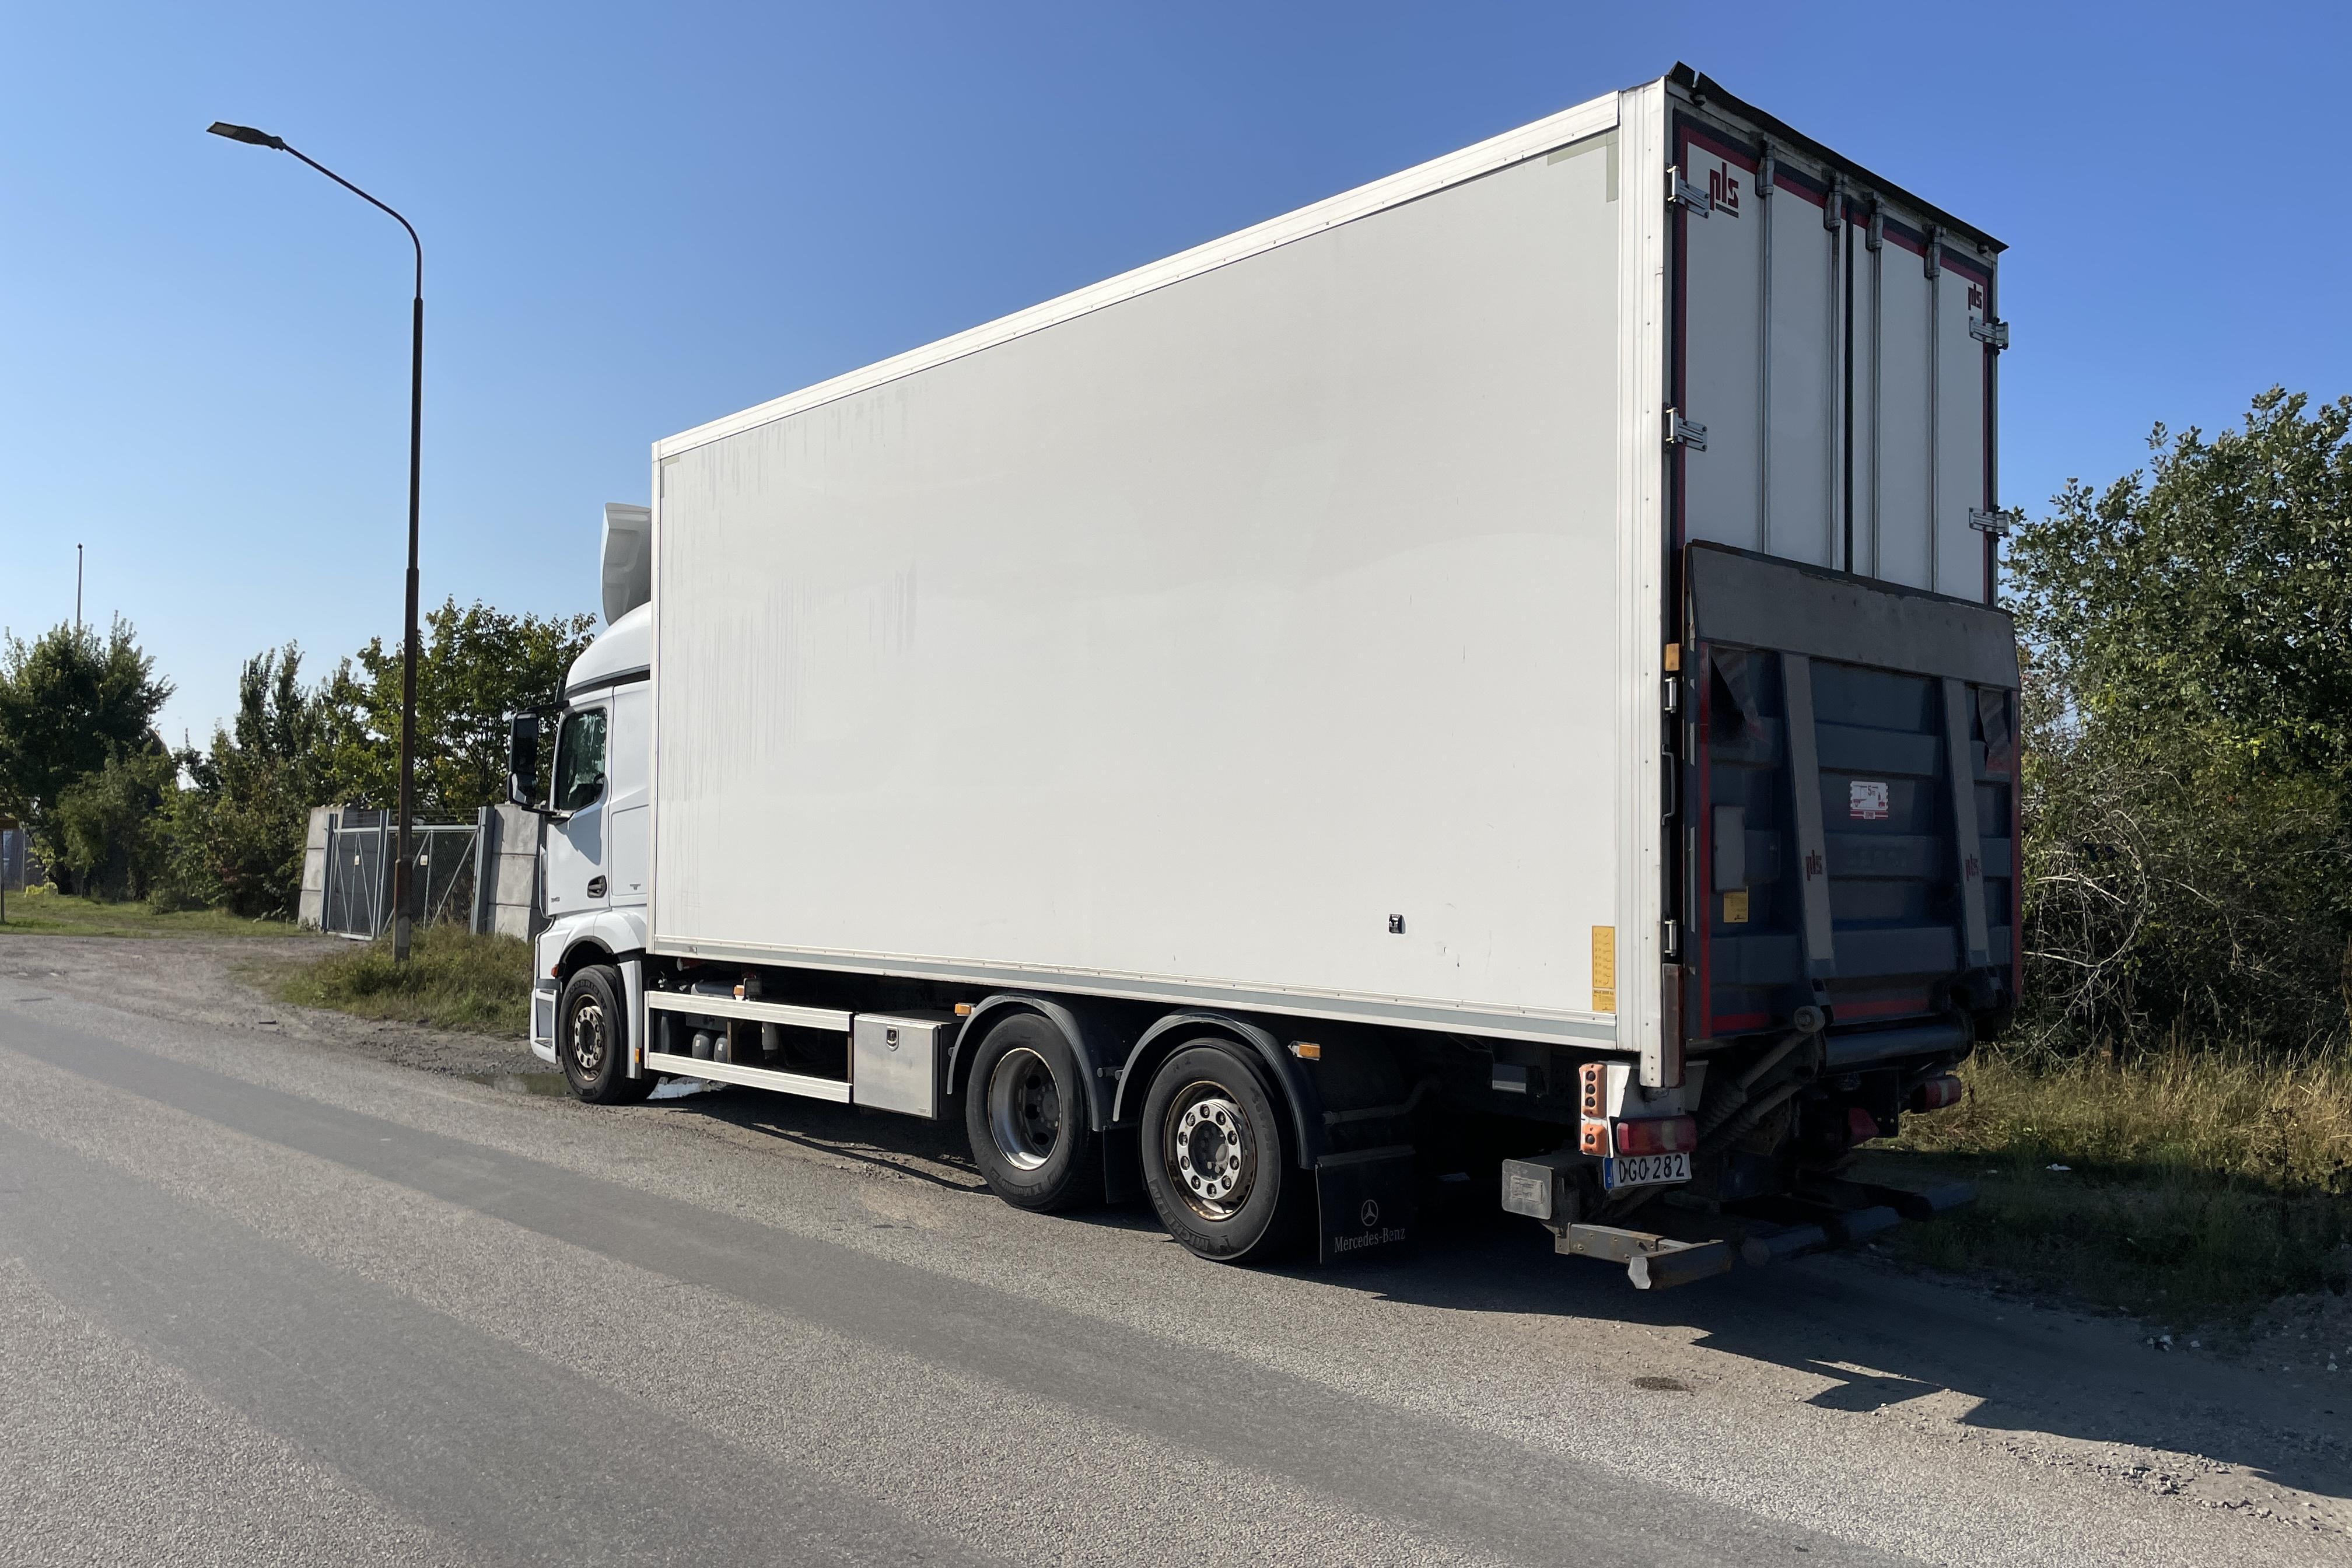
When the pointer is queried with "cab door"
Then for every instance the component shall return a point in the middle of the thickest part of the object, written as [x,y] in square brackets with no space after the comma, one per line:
[578,842]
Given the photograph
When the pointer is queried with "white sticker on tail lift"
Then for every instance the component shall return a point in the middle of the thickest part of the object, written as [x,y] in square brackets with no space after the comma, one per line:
[1866,801]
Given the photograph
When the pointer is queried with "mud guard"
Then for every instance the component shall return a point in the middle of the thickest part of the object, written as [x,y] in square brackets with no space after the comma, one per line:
[1363,1202]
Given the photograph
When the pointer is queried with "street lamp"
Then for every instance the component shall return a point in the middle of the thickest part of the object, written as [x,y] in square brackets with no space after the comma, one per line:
[401,866]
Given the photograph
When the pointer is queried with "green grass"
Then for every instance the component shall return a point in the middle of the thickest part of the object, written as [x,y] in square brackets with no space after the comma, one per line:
[452,980]
[2201,1183]
[44,912]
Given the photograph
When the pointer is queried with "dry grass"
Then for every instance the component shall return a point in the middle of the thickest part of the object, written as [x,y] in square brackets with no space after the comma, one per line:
[2200,1182]
[453,980]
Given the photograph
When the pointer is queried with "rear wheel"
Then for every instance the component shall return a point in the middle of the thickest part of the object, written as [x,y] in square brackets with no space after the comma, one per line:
[1217,1157]
[1025,1112]
[592,1038]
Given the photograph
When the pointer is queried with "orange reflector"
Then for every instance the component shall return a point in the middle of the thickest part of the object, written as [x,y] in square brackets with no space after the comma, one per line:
[739,993]
[963,1009]
[1306,1050]
[1592,1078]
[554,971]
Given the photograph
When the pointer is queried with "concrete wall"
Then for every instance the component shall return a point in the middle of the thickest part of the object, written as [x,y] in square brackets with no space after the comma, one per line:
[507,893]
[310,910]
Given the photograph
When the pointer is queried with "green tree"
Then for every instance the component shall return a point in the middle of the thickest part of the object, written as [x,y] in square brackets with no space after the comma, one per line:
[111,826]
[2188,773]
[70,702]
[480,667]
[240,831]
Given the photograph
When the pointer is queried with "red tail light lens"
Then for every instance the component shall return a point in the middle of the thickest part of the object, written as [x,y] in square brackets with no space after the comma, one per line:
[1657,1135]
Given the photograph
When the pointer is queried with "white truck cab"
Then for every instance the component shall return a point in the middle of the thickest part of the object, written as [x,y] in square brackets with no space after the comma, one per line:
[593,843]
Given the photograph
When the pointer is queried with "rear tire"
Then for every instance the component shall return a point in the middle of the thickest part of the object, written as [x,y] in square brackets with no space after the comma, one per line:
[1024,1109]
[592,1038]
[1218,1158]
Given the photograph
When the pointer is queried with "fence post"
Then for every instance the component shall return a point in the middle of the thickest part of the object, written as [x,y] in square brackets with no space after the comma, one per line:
[486,868]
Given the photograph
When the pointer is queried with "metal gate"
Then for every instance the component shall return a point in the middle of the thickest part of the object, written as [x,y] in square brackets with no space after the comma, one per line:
[357,897]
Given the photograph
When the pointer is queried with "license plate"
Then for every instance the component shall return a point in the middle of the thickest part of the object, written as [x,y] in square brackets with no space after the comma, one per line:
[1643,1170]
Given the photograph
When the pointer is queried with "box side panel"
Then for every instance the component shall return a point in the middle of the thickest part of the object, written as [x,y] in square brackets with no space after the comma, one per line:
[1193,639]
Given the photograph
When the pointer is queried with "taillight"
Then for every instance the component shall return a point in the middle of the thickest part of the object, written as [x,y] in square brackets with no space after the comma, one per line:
[1657,1135]
[1936,1093]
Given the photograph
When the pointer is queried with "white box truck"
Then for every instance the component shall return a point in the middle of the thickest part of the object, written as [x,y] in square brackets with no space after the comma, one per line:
[1493,676]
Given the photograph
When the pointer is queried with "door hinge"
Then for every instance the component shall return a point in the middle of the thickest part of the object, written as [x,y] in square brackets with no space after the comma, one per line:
[1997,523]
[1681,192]
[1833,209]
[1990,331]
[1682,432]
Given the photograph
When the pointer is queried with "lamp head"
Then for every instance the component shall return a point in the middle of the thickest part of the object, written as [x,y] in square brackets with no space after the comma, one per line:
[244,133]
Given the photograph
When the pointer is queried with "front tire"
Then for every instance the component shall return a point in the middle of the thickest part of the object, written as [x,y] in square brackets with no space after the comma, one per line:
[592,1038]
[1217,1157]
[1024,1109]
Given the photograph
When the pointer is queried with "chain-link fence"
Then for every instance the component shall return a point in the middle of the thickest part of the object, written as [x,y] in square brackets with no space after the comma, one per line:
[17,867]
[360,849]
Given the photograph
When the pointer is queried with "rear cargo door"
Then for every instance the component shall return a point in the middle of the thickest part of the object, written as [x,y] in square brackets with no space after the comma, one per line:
[1838,351]
[1853,774]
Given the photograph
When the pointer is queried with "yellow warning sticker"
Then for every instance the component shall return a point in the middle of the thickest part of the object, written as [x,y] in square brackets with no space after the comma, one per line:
[1605,969]
[1735,908]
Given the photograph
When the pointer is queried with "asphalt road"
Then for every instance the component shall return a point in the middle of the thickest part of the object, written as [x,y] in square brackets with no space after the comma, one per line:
[275,1292]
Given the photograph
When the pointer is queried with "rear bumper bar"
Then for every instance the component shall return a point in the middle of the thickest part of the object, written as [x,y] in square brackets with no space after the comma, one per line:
[1827,1213]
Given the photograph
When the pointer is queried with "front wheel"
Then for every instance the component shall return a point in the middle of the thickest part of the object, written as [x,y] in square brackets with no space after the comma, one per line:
[592,1038]
[1216,1157]
[1024,1109]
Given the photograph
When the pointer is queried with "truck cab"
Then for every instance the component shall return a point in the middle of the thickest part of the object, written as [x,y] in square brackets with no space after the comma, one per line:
[594,844]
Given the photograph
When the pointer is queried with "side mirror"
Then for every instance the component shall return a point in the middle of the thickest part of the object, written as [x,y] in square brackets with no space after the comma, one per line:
[522,758]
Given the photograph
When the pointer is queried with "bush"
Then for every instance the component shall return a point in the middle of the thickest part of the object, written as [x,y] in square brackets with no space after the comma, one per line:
[111,826]
[2188,777]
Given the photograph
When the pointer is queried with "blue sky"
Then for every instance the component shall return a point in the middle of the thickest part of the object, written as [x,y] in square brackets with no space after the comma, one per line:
[638,218]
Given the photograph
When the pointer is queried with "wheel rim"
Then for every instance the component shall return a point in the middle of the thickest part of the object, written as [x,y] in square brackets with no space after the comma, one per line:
[1024,1109]
[587,1037]
[1209,1151]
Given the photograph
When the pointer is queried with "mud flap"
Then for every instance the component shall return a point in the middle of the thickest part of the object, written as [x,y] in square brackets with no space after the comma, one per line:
[1122,1166]
[1363,1202]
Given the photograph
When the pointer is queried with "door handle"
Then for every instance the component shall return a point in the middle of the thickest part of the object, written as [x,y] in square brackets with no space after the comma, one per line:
[595,887]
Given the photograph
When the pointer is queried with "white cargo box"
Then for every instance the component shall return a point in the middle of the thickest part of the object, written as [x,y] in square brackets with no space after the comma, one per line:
[1281,625]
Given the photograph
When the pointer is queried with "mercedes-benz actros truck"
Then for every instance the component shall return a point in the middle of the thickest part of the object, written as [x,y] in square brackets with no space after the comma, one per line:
[1495,675]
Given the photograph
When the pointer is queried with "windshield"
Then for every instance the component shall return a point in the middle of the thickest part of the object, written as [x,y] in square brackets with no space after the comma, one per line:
[580,760]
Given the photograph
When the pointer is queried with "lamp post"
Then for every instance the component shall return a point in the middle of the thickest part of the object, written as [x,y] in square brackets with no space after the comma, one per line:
[401,864]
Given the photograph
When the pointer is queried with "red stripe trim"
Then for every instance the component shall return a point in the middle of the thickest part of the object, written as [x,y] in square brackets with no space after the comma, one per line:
[1723,149]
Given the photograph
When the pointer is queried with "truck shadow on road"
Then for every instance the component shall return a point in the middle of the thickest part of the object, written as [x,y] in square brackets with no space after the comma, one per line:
[1864,1336]
[1875,1338]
